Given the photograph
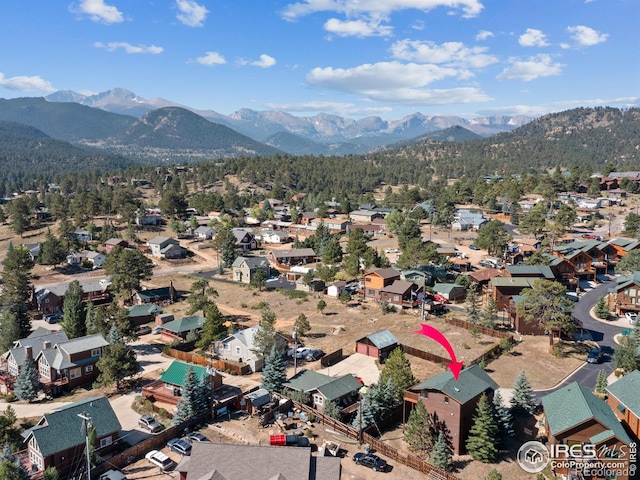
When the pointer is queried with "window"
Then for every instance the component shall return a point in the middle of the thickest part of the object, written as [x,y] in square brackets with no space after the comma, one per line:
[95,352]
[105,442]
[75,373]
[237,350]
[35,459]
[46,300]
[88,369]
[446,399]
[226,346]
[318,399]
[44,370]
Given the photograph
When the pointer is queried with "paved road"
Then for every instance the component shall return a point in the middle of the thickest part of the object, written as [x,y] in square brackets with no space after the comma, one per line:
[600,332]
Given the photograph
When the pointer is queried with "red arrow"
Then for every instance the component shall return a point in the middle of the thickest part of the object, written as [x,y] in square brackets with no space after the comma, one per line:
[429,331]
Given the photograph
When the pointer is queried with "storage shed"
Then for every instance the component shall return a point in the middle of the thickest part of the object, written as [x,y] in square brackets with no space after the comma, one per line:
[379,345]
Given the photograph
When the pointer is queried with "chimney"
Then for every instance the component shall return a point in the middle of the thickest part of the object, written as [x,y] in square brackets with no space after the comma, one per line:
[46,345]
[28,351]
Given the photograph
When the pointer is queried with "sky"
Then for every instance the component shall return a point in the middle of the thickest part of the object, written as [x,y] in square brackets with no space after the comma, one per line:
[353,58]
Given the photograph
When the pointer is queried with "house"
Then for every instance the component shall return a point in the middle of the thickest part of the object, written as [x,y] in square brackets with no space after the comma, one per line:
[34,250]
[334,225]
[239,347]
[51,299]
[402,294]
[503,288]
[168,388]
[204,233]
[166,247]
[245,268]
[82,235]
[587,422]
[586,257]
[465,220]
[563,271]
[621,246]
[256,399]
[537,271]
[275,237]
[16,356]
[454,402]
[369,229]
[624,401]
[150,216]
[144,313]
[376,280]
[219,461]
[112,243]
[289,258]
[58,439]
[450,291]
[625,296]
[378,345]
[518,324]
[160,295]
[181,327]
[343,390]
[245,239]
[336,288]
[96,259]
[482,278]
[65,365]
[364,216]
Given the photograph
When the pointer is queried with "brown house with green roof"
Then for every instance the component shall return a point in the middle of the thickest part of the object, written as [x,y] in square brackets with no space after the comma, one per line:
[454,402]
[58,439]
[168,388]
[343,391]
[574,416]
[624,400]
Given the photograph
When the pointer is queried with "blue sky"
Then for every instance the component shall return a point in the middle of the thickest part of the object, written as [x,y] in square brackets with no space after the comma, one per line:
[352,58]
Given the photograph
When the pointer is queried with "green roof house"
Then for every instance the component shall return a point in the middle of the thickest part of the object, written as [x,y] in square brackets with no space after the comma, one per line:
[450,291]
[182,326]
[343,391]
[58,439]
[454,401]
[144,313]
[624,400]
[168,388]
[575,416]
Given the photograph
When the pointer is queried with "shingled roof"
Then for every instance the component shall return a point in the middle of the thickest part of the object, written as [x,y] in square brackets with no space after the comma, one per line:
[471,383]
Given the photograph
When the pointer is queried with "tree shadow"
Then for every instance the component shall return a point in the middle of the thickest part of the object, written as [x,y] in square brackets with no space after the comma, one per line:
[315,335]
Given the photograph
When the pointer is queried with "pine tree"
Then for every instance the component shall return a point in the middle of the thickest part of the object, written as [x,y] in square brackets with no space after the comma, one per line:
[51,474]
[28,382]
[204,395]
[331,410]
[116,363]
[490,314]
[602,309]
[213,327]
[114,337]
[522,398]
[9,328]
[274,372]
[397,368]
[365,411]
[181,413]
[74,322]
[265,336]
[440,455]
[302,325]
[416,430]
[601,383]
[493,475]
[90,319]
[504,420]
[483,436]
[473,307]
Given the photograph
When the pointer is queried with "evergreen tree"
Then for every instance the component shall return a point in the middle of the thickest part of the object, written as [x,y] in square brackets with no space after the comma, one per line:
[128,268]
[204,399]
[321,306]
[28,381]
[213,327]
[365,415]
[332,252]
[416,430]
[522,398]
[440,455]
[265,336]
[10,329]
[51,474]
[181,413]
[504,420]
[483,436]
[225,243]
[52,251]
[302,325]
[93,440]
[114,337]
[258,280]
[397,368]
[331,410]
[625,356]
[602,383]
[602,309]
[74,316]
[201,296]
[190,402]
[17,290]
[274,372]
[116,363]
[490,314]
[345,297]
[493,475]
[473,305]
[90,319]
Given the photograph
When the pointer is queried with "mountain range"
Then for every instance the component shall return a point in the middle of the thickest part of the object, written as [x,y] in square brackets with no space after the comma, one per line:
[321,134]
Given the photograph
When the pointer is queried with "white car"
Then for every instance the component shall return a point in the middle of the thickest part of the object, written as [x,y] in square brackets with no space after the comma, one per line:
[160,460]
[632,317]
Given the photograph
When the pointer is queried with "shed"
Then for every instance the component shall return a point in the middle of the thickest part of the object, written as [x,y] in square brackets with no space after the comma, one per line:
[255,400]
[379,345]
[450,291]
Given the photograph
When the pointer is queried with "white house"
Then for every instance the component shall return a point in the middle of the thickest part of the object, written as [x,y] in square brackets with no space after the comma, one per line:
[239,347]
[78,258]
[275,236]
[336,288]
[166,247]
[204,233]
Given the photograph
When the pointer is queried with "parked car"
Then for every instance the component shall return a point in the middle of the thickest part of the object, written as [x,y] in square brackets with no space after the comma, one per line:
[149,423]
[156,330]
[313,355]
[143,330]
[194,437]
[52,317]
[160,460]
[632,317]
[391,250]
[179,446]
[370,460]
[113,475]
[474,247]
[595,355]
[439,298]
[301,352]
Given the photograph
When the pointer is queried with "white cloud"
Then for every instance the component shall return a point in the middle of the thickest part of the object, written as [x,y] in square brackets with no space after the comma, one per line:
[585,36]
[98,11]
[377,8]
[533,38]
[128,48]
[483,35]
[211,58]
[266,61]
[449,53]
[527,70]
[191,13]
[357,28]
[26,84]
[412,96]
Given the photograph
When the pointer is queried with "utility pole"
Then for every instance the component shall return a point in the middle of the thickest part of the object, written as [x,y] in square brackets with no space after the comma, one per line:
[86,422]
[295,350]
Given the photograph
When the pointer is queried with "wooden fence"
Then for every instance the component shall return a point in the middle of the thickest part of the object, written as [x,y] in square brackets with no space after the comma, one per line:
[331,358]
[409,460]
[456,322]
[198,359]
[431,357]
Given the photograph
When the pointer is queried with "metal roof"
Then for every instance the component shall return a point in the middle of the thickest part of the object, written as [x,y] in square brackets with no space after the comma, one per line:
[383,339]
[177,371]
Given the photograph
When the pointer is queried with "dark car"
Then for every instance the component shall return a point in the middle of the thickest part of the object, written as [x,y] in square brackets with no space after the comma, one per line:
[143,330]
[179,446]
[149,423]
[474,247]
[313,355]
[52,317]
[195,437]
[370,460]
[595,356]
